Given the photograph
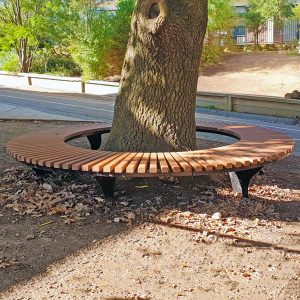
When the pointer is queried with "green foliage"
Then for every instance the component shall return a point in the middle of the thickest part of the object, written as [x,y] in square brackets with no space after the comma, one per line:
[93,40]
[280,9]
[296,12]
[121,24]
[100,41]
[221,15]
[212,107]
[27,25]
[9,61]
[55,63]
[91,45]
[254,19]
[211,54]
[221,19]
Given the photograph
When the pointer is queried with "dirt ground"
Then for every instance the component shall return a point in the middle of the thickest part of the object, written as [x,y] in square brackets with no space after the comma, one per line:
[265,73]
[160,239]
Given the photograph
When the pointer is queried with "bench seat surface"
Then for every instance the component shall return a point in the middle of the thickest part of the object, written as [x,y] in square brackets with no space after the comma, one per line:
[48,148]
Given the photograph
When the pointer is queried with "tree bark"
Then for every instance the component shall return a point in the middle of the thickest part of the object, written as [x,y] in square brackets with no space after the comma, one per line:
[155,106]
[256,39]
[25,56]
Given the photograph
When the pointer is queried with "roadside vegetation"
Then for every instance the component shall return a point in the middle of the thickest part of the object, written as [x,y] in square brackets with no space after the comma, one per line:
[75,38]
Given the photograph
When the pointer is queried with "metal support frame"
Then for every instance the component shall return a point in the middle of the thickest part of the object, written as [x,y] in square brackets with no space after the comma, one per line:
[240,180]
[107,184]
[95,141]
[41,172]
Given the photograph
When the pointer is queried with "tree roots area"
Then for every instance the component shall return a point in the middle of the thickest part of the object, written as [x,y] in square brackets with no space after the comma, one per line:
[158,239]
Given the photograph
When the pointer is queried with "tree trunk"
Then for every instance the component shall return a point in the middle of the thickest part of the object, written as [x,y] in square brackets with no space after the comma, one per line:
[256,39]
[155,107]
[281,34]
[281,37]
[25,56]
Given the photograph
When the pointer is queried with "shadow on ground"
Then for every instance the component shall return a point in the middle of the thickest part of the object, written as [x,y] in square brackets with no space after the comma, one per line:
[32,243]
[41,225]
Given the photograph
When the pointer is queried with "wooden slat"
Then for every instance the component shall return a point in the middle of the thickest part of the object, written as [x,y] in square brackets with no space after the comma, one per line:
[197,158]
[121,167]
[111,166]
[164,167]
[175,167]
[217,165]
[99,166]
[143,166]
[68,164]
[131,168]
[47,148]
[87,167]
[34,158]
[72,158]
[78,166]
[206,163]
[196,166]
[153,163]
[225,162]
[235,162]
[55,160]
[184,165]
[48,151]
[42,158]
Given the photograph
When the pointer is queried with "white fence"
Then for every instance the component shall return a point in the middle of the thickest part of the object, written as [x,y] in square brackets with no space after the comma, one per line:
[264,105]
[66,84]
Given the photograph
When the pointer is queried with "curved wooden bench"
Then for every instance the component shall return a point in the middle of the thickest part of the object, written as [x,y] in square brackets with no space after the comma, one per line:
[255,147]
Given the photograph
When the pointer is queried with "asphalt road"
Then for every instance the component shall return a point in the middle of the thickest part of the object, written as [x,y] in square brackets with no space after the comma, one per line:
[16,103]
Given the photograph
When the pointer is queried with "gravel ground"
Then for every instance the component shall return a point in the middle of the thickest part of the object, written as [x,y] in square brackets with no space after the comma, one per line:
[161,239]
[264,73]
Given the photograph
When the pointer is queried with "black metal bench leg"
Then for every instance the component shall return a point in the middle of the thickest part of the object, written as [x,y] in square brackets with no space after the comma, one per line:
[107,184]
[240,180]
[95,141]
[41,172]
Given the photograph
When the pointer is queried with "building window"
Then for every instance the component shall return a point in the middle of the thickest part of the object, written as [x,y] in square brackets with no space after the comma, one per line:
[240,10]
[239,31]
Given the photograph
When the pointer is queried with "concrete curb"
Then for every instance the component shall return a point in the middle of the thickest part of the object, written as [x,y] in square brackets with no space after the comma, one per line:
[48,120]
[243,103]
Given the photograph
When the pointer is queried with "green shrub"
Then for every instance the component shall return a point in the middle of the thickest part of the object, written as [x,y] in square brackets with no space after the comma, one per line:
[212,107]
[99,45]
[211,54]
[121,23]
[9,61]
[120,34]
[49,62]
[91,45]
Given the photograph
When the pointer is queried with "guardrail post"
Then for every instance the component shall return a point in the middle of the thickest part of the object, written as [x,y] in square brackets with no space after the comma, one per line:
[82,87]
[229,103]
[29,80]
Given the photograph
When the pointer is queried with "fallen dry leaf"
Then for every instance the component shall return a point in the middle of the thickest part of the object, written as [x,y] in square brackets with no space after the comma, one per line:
[6,262]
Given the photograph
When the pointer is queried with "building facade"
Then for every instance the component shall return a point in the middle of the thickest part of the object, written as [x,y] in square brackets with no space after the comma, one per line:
[110,5]
[269,33]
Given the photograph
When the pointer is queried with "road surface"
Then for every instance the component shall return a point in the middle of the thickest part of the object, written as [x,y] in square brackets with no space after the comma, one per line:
[15,103]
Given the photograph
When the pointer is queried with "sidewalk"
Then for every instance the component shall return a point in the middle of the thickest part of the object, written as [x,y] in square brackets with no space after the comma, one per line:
[23,113]
[20,104]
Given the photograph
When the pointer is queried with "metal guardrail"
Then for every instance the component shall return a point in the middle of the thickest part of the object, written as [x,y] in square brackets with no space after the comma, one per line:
[264,105]
[30,77]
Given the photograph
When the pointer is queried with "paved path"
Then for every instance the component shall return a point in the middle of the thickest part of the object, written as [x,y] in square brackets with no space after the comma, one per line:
[16,103]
